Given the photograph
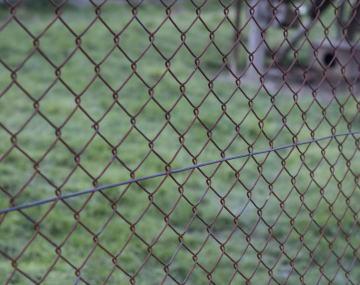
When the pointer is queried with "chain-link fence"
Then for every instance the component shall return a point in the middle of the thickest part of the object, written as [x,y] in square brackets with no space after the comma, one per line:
[179,142]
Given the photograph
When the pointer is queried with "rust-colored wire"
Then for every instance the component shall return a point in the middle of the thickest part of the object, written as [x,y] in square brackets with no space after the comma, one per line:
[284,57]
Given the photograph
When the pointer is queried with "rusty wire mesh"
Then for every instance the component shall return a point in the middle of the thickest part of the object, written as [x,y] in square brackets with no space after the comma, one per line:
[110,91]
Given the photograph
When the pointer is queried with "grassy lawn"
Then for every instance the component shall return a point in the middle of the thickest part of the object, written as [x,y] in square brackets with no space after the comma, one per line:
[76,118]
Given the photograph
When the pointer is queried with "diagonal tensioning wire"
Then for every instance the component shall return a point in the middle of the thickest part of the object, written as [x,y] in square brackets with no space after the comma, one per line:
[40,202]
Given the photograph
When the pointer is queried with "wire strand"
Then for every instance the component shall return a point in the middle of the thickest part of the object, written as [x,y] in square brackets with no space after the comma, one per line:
[41,202]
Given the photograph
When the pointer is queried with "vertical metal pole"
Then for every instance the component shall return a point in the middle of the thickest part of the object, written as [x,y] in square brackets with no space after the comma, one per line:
[235,58]
[256,46]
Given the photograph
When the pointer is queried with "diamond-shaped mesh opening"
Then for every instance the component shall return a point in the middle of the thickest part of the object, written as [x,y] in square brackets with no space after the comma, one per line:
[63,40]
[36,187]
[36,143]
[29,259]
[77,63]
[36,68]
[24,166]
[19,103]
[179,142]
[13,29]
[57,114]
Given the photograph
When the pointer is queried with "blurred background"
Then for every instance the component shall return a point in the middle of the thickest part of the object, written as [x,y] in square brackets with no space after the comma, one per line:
[98,92]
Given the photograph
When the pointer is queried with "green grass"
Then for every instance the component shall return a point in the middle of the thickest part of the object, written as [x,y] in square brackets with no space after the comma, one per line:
[184,218]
